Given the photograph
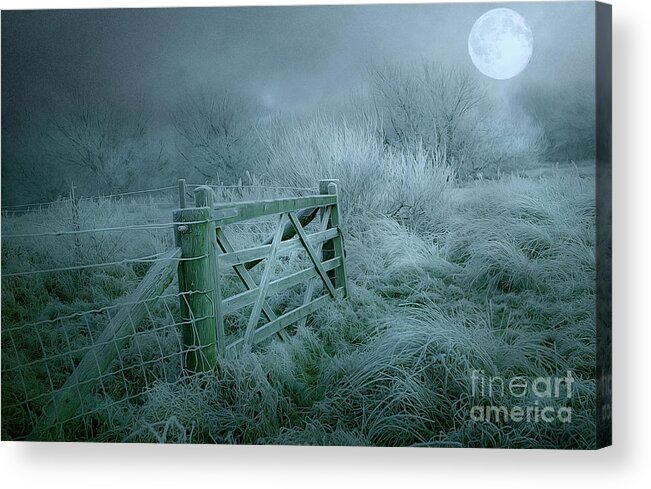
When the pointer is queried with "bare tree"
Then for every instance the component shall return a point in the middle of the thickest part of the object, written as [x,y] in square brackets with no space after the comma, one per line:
[109,145]
[446,111]
[27,173]
[567,118]
[217,136]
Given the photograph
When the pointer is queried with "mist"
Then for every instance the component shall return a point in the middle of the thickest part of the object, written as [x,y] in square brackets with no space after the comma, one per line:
[279,60]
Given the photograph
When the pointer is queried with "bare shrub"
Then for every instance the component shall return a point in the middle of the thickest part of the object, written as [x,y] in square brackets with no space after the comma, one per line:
[216,135]
[449,113]
[568,127]
[107,147]
[402,183]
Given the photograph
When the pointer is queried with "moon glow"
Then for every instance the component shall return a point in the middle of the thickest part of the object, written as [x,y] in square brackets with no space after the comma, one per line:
[500,43]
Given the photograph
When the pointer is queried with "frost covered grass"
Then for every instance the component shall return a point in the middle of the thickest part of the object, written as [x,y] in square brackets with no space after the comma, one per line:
[392,366]
[445,279]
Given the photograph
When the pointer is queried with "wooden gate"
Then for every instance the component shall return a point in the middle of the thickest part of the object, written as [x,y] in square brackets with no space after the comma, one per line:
[202,234]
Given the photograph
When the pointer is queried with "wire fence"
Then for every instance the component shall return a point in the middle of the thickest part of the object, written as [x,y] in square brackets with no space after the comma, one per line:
[39,357]
[70,269]
[130,198]
[55,317]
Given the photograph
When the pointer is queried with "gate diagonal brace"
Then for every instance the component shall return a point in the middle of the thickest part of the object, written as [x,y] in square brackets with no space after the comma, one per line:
[312,254]
[246,278]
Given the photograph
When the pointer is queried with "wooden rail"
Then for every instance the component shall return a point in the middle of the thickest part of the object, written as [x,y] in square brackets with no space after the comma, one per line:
[207,337]
[260,208]
[258,253]
[247,298]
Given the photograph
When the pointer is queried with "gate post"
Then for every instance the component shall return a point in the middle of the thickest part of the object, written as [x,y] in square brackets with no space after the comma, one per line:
[198,284]
[334,247]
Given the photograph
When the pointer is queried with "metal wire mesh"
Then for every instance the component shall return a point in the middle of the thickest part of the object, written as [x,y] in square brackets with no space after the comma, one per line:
[66,269]
[38,358]
[67,266]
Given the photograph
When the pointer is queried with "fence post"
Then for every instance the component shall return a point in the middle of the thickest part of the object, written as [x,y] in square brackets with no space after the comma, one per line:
[182,193]
[198,286]
[74,202]
[328,249]
[334,247]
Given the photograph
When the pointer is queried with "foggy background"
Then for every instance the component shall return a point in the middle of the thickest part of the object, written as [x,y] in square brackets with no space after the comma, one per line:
[279,60]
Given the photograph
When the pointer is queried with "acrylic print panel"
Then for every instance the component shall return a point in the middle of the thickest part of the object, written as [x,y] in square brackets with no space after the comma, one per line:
[378,225]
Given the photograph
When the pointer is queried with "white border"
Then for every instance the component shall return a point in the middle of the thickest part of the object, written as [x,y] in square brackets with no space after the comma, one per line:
[626,464]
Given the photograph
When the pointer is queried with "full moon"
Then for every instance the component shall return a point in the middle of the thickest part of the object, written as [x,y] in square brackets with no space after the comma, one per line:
[500,43]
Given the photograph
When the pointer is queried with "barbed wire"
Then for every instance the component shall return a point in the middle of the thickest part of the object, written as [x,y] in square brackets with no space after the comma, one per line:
[264,187]
[64,200]
[145,259]
[33,210]
[86,231]
[36,204]
[135,192]
[144,204]
[135,227]
[122,204]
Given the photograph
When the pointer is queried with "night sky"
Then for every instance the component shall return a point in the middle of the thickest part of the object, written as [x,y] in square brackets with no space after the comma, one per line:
[295,60]
[284,58]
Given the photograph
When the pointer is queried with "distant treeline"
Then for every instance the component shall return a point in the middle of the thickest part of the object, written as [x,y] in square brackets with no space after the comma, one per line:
[82,137]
